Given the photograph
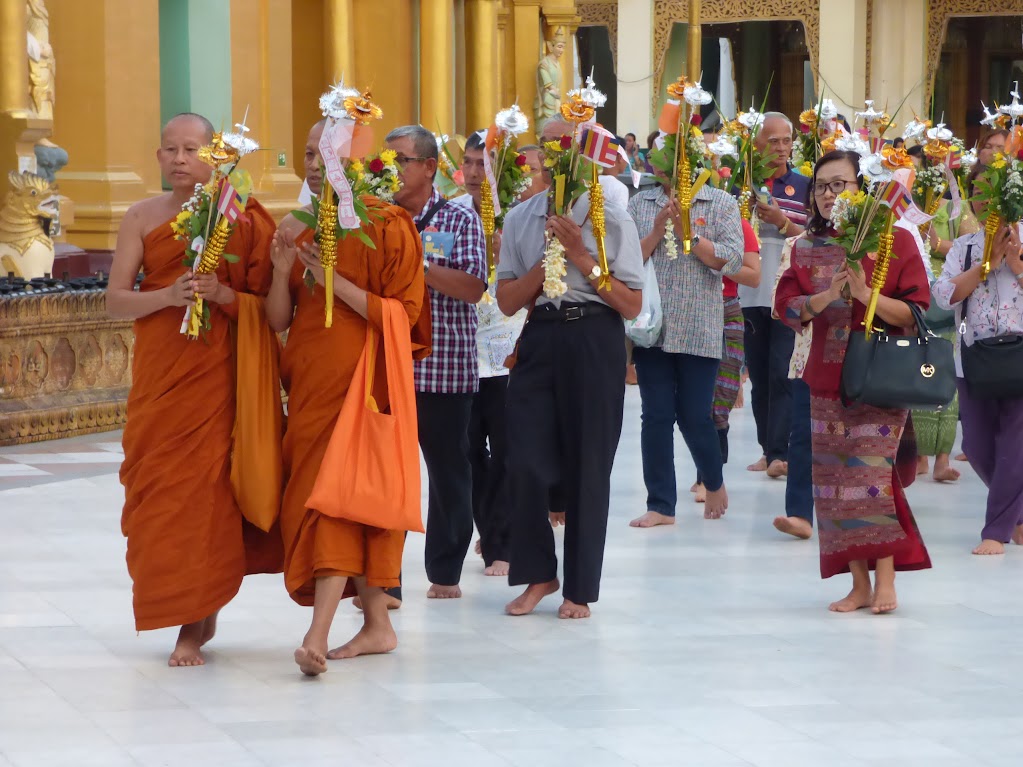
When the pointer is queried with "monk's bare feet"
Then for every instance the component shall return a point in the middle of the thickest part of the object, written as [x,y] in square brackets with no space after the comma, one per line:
[393,603]
[884,600]
[794,526]
[311,661]
[376,641]
[943,472]
[556,518]
[527,601]
[444,592]
[922,465]
[1017,535]
[652,519]
[571,610]
[700,494]
[717,503]
[778,469]
[497,567]
[186,651]
[962,458]
[858,599]
[478,548]
[990,548]
[760,465]
[209,628]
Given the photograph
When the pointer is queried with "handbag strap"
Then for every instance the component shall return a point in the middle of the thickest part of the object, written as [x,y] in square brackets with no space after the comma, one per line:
[371,366]
[967,265]
[428,216]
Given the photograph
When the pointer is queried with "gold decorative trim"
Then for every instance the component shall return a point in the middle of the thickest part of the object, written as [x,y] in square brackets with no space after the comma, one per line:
[938,14]
[44,424]
[870,45]
[669,12]
[602,14]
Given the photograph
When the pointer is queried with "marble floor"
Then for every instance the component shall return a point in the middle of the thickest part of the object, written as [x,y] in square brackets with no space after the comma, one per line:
[711,646]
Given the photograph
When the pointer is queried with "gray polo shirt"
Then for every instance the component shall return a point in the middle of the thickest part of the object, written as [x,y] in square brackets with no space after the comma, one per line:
[522,246]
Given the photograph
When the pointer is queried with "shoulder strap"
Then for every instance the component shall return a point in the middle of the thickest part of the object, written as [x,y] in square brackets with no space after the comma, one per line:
[967,264]
[428,217]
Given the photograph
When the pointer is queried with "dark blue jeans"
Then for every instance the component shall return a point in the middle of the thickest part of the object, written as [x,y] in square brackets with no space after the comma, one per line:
[768,348]
[799,488]
[676,388]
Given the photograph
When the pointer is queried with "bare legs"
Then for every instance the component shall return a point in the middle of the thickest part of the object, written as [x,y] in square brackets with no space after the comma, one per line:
[311,657]
[377,634]
[880,599]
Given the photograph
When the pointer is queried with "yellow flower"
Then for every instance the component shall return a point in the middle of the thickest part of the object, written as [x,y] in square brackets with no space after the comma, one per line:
[999,162]
[697,133]
[389,156]
[179,223]
[548,163]
[526,170]
[552,146]
[806,169]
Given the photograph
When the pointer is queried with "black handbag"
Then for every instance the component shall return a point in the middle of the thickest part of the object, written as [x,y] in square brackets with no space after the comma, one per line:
[992,367]
[939,319]
[899,372]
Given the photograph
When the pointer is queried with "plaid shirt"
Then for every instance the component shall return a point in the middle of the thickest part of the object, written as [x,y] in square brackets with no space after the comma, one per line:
[453,367]
[690,290]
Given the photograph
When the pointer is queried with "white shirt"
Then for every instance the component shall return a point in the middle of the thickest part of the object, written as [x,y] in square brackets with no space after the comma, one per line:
[615,191]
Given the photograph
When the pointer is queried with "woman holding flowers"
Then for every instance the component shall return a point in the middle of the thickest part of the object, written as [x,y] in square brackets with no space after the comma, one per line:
[865,522]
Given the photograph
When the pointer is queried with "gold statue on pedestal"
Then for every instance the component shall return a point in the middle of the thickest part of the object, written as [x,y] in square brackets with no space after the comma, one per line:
[26,249]
[548,80]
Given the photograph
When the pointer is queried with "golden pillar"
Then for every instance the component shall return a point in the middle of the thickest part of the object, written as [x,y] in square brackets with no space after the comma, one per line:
[391,70]
[107,112]
[13,52]
[529,49]
[505,46]
[481,81]
[437,65]
[695,42]
[310,71]
[338,34]
[261,83]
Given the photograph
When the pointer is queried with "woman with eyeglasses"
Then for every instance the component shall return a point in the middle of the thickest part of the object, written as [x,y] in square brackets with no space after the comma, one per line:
[864,521]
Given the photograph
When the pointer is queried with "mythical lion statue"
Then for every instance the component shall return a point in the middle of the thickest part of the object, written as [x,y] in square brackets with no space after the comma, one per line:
[25,245]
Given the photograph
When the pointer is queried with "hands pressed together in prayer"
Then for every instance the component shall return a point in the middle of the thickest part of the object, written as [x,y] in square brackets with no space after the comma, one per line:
[570,234]
[1007,248]
[189,285]
[283,252]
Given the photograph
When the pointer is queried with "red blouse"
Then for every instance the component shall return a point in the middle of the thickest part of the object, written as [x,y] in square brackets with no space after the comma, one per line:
[813,266]
[730,288]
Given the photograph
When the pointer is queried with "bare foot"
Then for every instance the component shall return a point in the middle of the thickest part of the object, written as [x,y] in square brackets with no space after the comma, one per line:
[209,628]
[948,474]
[857,600]
[701,494]
[695,487]
[778,469]
[367,642]
[557,518]
[884,600]
[310,662]
[527,601]
[740,399]
[989,548]
[652,519]
[393,603]
[922,465]
[717,504]
[498,567]
[570,610]
[794,526]
[631,379]
[186,651]
[760,465]
[444,592]
[962,458]
[478,548]
[1017,535]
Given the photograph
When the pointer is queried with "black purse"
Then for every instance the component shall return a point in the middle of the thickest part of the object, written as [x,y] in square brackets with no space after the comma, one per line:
[992,367]
[899,372]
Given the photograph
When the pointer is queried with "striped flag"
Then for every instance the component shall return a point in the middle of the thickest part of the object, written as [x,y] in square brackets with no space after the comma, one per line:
[894,195]
[230,205]
[955,158]
[600,147]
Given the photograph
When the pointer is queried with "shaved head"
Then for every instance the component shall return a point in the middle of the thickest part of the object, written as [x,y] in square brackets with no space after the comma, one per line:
[556,129]
[185,117]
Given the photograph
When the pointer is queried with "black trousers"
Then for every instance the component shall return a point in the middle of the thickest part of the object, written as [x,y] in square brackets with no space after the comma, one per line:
[564,413]
[444,440]
[488,449]
[768,347]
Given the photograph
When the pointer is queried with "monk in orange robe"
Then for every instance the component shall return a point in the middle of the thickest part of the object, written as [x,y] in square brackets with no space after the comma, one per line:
[188,544]
[327,558]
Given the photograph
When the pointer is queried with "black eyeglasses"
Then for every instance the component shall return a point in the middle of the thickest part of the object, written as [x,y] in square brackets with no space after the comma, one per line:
[835,187]
[403,161]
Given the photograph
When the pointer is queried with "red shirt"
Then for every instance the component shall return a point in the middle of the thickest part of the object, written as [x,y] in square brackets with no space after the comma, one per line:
[730,287]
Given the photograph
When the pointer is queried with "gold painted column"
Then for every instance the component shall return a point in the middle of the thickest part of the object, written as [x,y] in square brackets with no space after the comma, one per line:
[528,52]
[261,83]
[107,110]
[436,65]
[481,79]
[392,71]
[338,34]
[843,60]
[505,46]
[14,55]
[695,42]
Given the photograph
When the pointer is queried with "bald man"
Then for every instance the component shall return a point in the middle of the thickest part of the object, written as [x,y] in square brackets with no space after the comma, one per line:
[188,543]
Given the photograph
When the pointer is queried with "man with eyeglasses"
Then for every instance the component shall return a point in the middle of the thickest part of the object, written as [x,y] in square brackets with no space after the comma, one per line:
[454,259]
[768,342]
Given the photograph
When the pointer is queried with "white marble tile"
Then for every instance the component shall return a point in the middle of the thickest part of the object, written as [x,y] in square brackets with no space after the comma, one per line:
[47,459]
[20,470]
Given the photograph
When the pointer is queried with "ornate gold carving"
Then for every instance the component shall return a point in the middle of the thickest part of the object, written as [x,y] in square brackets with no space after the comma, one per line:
[668,12]
[938,14]
[870,45]
[601,14]
[65,366]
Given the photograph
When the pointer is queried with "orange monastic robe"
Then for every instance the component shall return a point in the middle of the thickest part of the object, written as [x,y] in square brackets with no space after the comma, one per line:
[317,368]
[188,545]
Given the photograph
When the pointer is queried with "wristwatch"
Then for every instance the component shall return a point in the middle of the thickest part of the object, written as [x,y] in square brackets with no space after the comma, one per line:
[595,272]
[695,241]
[426,266]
